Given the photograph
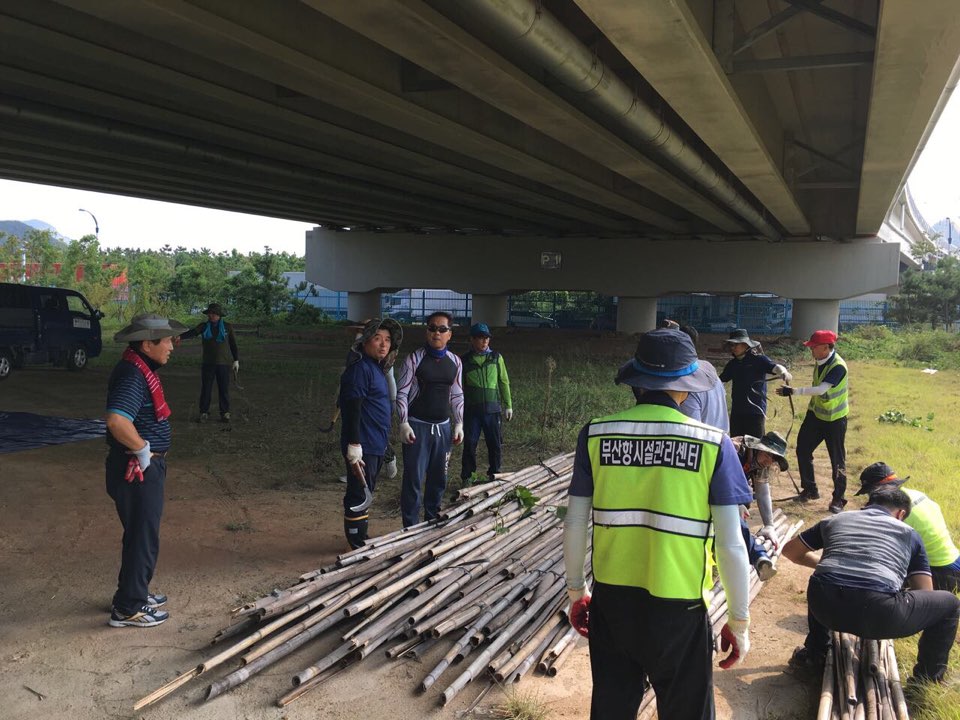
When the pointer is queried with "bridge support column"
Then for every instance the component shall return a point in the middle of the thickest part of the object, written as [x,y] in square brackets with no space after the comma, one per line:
[363,305]
[490,309]
[636,315]
[810,315]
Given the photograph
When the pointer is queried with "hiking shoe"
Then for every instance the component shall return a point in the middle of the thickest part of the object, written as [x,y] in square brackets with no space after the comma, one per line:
[808,495]
[804,661]
[390,468]
[204,417]
[146,617]
[765,569]
[156,600]
[225,417]
[836,507]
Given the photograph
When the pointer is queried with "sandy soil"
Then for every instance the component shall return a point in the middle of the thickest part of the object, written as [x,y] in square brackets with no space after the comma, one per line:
[59,552]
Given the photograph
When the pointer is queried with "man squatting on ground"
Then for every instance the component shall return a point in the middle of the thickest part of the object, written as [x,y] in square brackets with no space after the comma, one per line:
[652,567]
[927,519]
[856,585]
[710,407]
[826,419]
[430,388]
[219,352]
[486,395]
[367,410]
[138,437]
[747,372]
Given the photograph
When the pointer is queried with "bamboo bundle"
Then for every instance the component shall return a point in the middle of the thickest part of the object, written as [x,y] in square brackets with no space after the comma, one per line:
[485,581]
[861,680]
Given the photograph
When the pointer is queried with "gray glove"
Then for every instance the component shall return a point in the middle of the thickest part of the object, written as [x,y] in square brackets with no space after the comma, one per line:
[143,455]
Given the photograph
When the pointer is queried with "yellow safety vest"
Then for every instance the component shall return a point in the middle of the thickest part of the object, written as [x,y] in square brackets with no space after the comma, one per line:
[652,525]
[832,405]
[926,518]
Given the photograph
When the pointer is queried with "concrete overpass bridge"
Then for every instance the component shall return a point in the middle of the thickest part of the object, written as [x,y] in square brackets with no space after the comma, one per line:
[630,147]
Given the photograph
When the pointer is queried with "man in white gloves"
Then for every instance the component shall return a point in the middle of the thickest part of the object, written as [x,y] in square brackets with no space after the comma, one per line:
[664,492]
[367,410]
[429,392]
[220,356]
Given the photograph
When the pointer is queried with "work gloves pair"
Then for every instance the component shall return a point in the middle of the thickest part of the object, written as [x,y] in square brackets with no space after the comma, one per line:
[734,637]
[139,461]
[408,437]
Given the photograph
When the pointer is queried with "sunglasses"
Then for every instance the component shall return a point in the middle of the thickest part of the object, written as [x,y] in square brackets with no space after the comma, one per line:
[438,328]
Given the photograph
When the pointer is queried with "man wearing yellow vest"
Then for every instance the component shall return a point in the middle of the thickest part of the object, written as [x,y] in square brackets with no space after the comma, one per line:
[663,490]
[826,419]
[927,519]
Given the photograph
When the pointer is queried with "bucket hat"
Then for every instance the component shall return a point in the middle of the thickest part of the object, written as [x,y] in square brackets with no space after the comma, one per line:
[480,330]
[666,360]
[822,337]
[739,335]
[876,475]
[150,326]
[215,308]
[772,443]
[370,328]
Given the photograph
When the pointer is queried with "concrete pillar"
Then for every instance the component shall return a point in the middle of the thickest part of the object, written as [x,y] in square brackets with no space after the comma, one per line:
[490,309]
[363,305]
[636,314]
[810,315]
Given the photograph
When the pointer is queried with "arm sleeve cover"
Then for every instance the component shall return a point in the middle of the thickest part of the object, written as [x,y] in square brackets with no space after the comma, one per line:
[815,390]
[732,560]
[575,527]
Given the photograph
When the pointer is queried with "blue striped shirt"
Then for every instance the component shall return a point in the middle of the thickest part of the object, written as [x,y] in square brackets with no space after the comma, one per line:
[129,396]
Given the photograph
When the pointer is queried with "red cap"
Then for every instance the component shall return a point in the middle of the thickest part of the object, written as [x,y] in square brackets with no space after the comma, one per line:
[822,337]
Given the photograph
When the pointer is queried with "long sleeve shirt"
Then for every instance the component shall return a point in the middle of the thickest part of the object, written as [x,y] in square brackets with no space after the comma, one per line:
[430,387]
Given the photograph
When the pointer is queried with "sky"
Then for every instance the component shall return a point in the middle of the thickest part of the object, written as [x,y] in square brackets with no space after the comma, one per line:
[129,222]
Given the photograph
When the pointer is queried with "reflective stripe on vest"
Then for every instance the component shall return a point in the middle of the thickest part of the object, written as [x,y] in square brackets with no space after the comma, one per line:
[927,519]
[832,405]
[652,526]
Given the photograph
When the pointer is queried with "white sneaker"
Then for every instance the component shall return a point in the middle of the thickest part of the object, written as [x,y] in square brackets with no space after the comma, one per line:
[391,468]
[342,478]
[765,569]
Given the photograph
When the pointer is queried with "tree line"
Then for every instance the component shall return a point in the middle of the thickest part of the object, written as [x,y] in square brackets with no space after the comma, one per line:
[172,280]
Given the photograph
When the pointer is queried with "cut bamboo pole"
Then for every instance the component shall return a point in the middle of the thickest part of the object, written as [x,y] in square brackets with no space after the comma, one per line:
[825,710]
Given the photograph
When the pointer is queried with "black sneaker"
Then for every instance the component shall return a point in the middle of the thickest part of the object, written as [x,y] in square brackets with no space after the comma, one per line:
[808,495]
[836,507]
[804,661]
[156,600]
[146,617]
[225,417]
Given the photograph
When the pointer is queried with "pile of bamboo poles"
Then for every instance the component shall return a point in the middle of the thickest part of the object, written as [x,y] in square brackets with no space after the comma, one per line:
[861,680]
[485,581]
[718,603]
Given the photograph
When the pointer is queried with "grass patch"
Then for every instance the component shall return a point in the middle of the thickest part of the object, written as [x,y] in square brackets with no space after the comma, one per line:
[242,526]
[522,705]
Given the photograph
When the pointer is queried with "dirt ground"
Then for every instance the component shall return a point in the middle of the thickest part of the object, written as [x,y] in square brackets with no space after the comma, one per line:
[229,536]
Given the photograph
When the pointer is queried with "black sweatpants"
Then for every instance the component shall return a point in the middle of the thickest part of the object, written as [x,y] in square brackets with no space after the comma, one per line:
[814,431]
[632,635]
[473,424]
[744,424]
[884,616]
[139,505]
[209,373]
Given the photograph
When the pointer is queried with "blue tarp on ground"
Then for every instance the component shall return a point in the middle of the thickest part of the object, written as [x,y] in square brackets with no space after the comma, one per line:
[25,431]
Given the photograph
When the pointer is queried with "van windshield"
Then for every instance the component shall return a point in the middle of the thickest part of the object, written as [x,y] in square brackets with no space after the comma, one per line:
[76,304]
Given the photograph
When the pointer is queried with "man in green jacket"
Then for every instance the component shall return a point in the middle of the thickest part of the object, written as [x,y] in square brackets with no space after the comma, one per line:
[219,354]
[486,396]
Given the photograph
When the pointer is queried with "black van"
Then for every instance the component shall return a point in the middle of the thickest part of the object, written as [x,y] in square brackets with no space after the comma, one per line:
[46,325]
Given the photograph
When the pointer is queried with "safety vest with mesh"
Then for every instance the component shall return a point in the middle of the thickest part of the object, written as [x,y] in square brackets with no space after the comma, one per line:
[832,405]
[926,518]
[652,528]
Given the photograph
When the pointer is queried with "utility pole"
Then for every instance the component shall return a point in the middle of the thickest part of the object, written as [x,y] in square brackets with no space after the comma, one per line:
[96,225]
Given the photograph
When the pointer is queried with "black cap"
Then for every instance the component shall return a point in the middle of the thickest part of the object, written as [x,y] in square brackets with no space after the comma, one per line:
[876,475]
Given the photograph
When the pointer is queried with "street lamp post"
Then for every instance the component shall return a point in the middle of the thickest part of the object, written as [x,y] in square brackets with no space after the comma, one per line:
[96,225]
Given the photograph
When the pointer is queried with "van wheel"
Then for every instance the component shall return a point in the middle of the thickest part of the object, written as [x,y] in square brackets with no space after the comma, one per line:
[6,364]
[77,358]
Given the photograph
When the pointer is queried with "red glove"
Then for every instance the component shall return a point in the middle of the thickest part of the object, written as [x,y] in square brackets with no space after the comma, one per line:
[735,637]
[580,616]
[133,470]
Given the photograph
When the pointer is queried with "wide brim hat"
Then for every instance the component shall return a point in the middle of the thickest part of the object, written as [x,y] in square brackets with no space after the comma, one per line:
[370,328]
[772,443]
[879,475]
[666,360]
[150,326]
[740,336]
[216,309]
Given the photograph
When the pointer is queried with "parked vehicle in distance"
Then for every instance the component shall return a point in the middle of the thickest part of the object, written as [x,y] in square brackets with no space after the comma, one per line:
[530,319]
[41,325]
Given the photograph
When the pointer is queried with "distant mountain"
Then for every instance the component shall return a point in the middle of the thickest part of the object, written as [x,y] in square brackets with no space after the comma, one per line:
[41,225]
[15,227]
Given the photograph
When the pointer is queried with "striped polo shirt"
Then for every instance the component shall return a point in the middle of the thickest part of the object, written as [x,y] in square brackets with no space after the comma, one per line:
[129,396]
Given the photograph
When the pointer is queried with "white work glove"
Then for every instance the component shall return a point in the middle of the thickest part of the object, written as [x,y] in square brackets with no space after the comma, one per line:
[406,434]
[784,374]
[508,414]
[735,637]
[744,511]
[354,453]
[768,532]
[574,594]
[458,433]
[143,455]
[236,366]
